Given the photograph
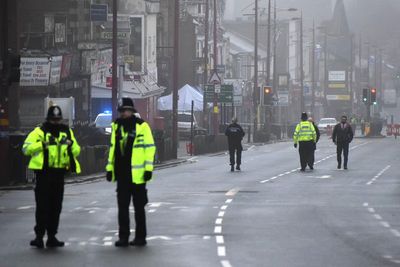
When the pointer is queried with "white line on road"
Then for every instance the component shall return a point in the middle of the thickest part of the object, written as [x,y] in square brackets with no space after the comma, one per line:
[94,238]
[250,148]
[378,175]
[228,201]
[219,239]
[385,224]
[378,217]
[218,221]
[218,229]
[108,243]
[221,214]
[83,243]
[232,192]
[226,263]
[25,207]
[107,238]
[224,207]
[221,251]
[152,211]
[365,204]
[372,210]
[395,232]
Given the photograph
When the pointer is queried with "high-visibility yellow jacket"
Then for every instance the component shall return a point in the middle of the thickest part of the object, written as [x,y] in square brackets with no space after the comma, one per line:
[57,154]
[143,151]
[305,131]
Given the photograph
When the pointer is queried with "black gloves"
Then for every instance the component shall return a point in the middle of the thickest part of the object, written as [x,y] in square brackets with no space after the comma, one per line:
[295,145]
[109,176]
[147,175]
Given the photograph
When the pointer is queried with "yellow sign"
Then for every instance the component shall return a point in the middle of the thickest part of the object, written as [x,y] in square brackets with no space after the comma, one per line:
[216,109]
[129,59]
[337,85]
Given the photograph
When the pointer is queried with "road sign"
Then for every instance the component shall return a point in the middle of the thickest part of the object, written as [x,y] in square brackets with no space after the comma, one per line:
[98,12]
[120,35]
[217,88]
[214,79]
[225,96]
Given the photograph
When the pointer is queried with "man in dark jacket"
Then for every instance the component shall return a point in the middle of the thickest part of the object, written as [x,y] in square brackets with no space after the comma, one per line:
[312,157]
[342,136]
[235,134]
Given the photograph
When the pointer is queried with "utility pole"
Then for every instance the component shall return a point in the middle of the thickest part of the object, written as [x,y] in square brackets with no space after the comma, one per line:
[175,83]
[114,91]
[325,70]
[215,109]
[275,74]
[255,100]
[205,54]
[351,74]
[313,72]
[269,44]
[301,65]
[4,58]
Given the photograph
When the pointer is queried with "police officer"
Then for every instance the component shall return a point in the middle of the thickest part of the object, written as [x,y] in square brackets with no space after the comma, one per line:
[235,134]
[342,136]
[306,137]
[53,150]
[312,159]
[130,164]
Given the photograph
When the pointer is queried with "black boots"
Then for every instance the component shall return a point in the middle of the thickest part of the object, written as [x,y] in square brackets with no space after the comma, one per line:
[138,242]
[238,167]
[232,168]
[122,242]
[37,242]
[53,242]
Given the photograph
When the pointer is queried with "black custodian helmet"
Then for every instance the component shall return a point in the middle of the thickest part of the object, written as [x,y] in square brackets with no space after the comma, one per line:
[54,113]
[126,103]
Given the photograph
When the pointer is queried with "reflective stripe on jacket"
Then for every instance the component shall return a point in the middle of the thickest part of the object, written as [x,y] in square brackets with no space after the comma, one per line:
[143,151]
[305,131]
[58,154]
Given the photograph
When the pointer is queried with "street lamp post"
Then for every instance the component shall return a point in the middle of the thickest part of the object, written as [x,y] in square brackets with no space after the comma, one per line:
[114,61]
[313,72]
[205,52]
[301,65]
[175,83]
[255,100]
[215,109]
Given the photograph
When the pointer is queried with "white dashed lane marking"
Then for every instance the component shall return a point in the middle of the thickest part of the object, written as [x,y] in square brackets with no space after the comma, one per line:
[373,180]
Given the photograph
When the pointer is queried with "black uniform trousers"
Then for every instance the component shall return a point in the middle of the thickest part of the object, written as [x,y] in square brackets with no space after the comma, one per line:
[342,147]
[306,151]
[49,193]
[138,194]
[235,149]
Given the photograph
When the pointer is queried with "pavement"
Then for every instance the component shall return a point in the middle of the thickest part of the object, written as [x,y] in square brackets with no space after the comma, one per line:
[201,214]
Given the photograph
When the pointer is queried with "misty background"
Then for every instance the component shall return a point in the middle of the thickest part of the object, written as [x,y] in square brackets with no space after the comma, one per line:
[374,20]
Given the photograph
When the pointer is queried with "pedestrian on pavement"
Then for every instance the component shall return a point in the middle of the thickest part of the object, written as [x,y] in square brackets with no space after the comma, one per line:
[130,164]
[312,158]
[305,137]
[362,126]
[342,136]
[235,135]
[53,150]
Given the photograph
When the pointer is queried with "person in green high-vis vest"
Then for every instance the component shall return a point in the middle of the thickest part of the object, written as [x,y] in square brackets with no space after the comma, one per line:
[53,150]
[130,165]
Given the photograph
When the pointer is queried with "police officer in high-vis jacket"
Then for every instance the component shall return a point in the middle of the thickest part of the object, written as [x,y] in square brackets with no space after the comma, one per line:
[53,150]
[306,137]
[130,164]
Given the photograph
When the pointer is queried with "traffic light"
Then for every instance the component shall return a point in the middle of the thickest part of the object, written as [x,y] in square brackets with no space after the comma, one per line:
[267,95]
[365,96]
[373,96]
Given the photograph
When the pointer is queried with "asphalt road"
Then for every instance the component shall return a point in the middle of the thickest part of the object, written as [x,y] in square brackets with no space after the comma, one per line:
[200,214]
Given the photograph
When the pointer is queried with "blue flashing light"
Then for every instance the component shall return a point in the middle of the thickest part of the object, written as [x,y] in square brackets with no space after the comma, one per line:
[107,112]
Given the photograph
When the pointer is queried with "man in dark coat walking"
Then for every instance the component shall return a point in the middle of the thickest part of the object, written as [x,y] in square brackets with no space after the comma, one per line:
[342,136]
[235,134]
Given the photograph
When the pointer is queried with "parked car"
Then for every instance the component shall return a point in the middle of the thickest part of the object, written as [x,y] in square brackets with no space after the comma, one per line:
[324,123]
[184,125]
